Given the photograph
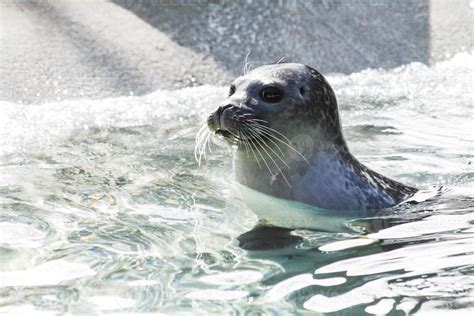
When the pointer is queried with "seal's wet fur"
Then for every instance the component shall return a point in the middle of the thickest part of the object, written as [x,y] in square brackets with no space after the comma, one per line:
[290,145]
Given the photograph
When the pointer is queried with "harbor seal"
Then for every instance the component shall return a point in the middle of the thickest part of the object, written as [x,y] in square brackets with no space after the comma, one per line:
[283,121]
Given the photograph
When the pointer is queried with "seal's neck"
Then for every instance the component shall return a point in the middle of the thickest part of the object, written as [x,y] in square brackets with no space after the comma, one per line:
[275,170]
[330,179]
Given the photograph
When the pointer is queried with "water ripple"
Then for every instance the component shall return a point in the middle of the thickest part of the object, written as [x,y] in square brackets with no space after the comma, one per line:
[104,210]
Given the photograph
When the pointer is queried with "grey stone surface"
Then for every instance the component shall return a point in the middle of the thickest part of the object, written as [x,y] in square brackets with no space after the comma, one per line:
[66,49]
[333,36]
[90,49]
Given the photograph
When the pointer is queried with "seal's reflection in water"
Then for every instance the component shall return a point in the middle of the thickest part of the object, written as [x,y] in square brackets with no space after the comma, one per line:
[289,233]
[299,247]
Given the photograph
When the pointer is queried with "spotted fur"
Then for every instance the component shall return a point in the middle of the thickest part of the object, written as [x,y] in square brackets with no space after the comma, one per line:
[306,159]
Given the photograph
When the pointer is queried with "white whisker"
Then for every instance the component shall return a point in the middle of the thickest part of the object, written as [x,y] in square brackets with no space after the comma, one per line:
[257,130]
[251,145]
[203,150]
[274,162]
[245,142]
[247,63]
[270,132]
[280,60]
[198,141]
[259,136]
[263,158]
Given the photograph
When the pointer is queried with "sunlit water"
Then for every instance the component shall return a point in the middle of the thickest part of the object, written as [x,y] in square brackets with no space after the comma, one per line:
[105,210]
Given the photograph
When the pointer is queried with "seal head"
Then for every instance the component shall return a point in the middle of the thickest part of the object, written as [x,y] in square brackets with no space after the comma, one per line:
[283,121]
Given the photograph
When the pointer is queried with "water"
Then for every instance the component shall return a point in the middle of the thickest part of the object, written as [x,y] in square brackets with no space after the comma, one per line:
[104,209]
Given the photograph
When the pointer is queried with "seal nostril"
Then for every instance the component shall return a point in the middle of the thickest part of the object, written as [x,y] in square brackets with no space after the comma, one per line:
[210,121]
[225,107]
[215,121]
[302,91]
[222,108]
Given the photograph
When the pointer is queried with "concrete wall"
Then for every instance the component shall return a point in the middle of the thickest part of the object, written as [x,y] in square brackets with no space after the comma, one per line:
[64,49]
[332,35]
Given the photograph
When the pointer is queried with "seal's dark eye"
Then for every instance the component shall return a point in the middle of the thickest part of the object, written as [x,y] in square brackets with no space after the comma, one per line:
[272,94]
[231,90]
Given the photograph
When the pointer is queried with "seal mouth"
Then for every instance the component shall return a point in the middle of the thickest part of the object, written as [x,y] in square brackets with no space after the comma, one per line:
[223,133]
[222,121]
[234,124]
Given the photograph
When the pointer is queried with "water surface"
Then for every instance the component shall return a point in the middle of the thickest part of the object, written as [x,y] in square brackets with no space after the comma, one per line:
[105,210]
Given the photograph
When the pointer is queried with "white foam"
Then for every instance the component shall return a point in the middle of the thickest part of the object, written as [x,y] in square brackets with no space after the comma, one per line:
[34,127]
[48,273]
[20,235]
